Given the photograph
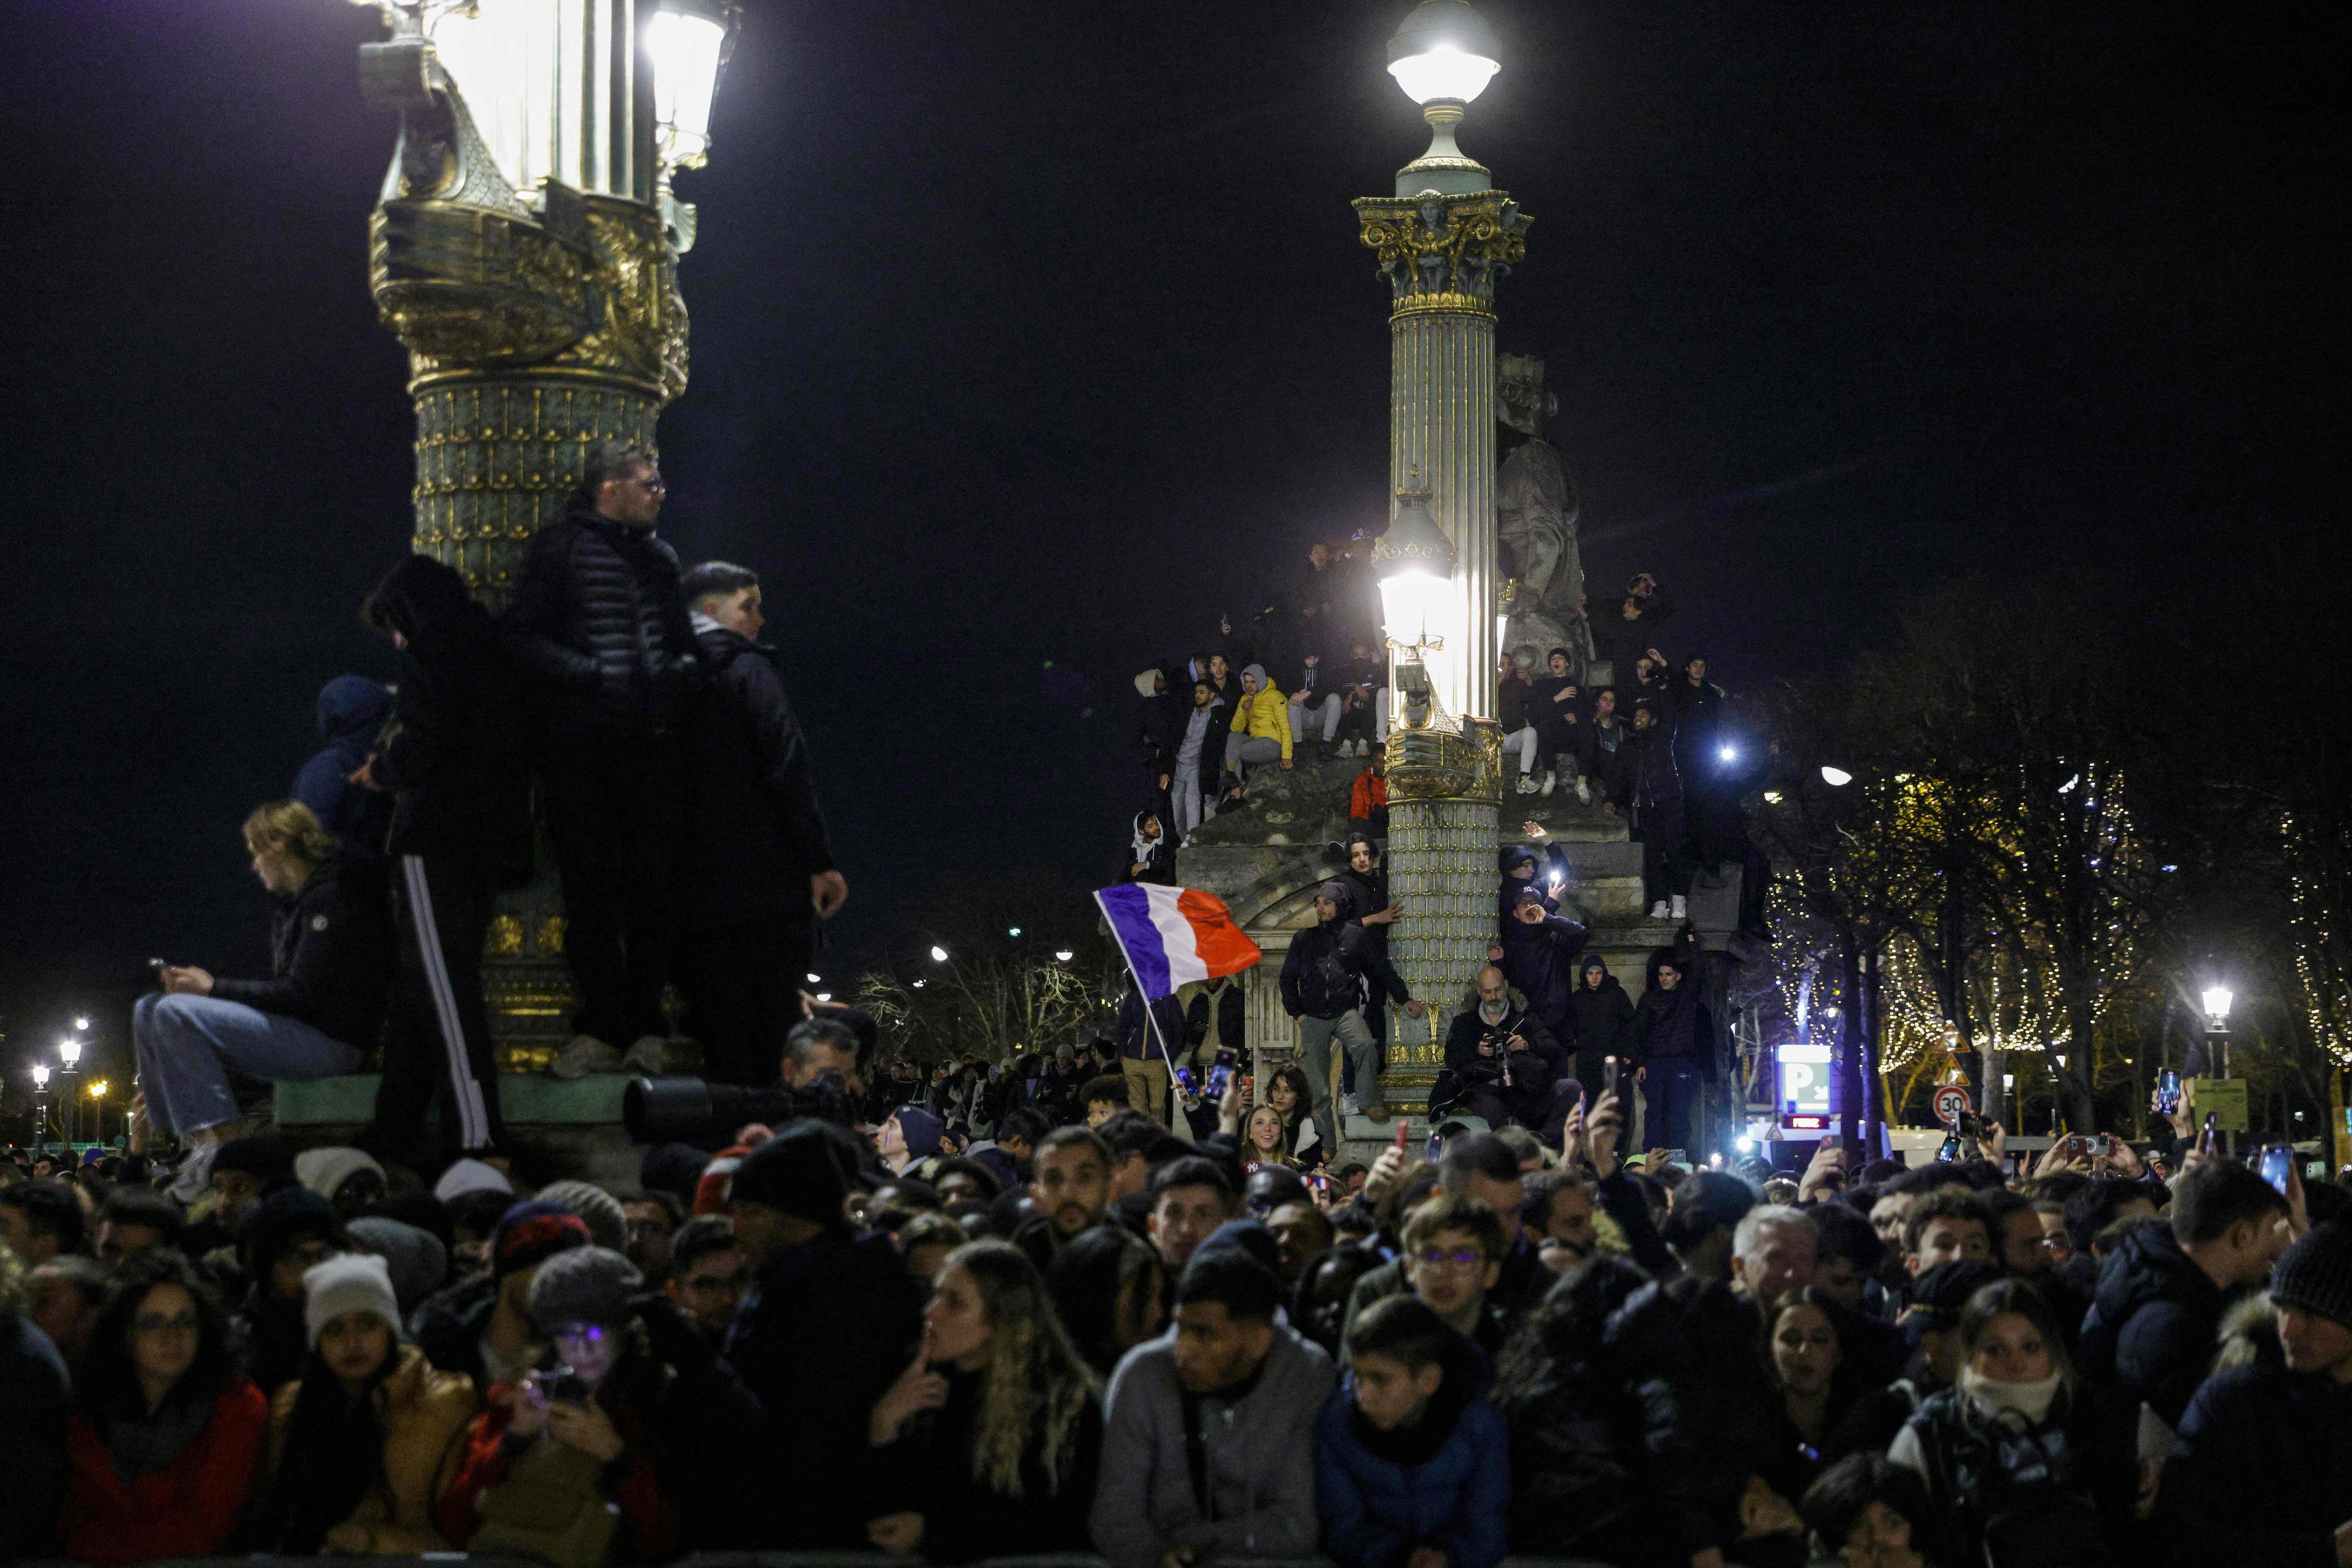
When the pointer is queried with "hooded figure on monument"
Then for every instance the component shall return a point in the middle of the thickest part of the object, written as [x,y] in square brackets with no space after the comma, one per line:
[1535,514]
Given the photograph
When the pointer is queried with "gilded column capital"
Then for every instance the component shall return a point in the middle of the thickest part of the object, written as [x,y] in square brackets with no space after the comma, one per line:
[1446,764]
[1441,253]
[478,280]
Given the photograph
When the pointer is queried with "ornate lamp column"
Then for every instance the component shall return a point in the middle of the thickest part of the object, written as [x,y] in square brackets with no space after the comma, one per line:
[525,245]
[524,249]
[1442,241]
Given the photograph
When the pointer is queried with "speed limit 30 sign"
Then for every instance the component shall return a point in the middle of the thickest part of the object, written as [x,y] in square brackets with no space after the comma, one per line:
[1952,1102]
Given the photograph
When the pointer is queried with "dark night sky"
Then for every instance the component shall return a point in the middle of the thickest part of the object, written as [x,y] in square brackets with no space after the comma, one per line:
[1027,333]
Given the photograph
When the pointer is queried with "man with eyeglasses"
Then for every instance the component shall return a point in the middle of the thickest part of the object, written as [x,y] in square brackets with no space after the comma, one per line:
[709,1272]
[598,621]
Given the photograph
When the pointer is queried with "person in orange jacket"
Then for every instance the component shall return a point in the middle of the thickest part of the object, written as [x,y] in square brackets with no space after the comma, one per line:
[1368,798]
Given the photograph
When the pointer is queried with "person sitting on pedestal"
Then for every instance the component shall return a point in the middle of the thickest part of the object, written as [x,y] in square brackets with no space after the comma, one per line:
[1499,1060]
[312,1017]
[1261,731]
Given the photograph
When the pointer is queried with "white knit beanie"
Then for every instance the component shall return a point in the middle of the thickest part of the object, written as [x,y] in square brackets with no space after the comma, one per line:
[348,1282]
[325,1170]
[470,1176]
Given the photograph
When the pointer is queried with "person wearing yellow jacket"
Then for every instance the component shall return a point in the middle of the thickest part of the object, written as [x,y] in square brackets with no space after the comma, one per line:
[362,1446]
[1261,731]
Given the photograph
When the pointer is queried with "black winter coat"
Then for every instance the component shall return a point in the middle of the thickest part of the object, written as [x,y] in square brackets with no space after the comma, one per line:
[1232,1015]
[597,620]
[929,1471]
[1573,1437]
[2150,1331]
[1647,776]
[1602,1018]
[34,1471]
[452,754]
[758,833]
[447,1326]
[827,1328]
[1319,975]
[1674,1024]
[1160,726]
[2262,1471]
[1528,1092]
[1708,1415]
[1541,960]
[331,955]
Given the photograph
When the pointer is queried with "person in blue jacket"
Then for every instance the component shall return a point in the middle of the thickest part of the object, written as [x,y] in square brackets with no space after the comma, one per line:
[1412,1467]
[352,713]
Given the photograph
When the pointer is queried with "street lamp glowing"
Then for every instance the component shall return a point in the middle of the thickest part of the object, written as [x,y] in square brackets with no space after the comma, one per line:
[40,1076]
[1727,753]
[938,956]
[815,978]
[1835,778]
[1444,53]
[69,1052]
[1414,562]
[1063,955]
[81,1026]
[1016,931]
[2217,1004]
[687,41]
[98,1089]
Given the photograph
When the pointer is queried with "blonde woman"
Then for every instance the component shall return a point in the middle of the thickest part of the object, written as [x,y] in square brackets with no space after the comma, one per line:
[331,947]
[987,1445]
[1264,1139]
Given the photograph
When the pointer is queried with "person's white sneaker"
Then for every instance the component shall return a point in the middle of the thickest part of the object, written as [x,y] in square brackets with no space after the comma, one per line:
[1583,792]
[649,1055]
[1658,910]
[1682,908]
[1550,780]
[581,1055]
[1526,784]
[1347,1106]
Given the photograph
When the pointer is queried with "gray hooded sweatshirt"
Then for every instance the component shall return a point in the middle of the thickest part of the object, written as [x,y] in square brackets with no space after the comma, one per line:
[1260,1460]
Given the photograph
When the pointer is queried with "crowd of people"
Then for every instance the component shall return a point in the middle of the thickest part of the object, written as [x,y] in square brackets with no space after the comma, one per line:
[1083,1332]
[675,779]
[1651,744]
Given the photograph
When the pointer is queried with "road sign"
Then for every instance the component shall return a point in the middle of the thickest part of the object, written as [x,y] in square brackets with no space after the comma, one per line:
[1951,1103]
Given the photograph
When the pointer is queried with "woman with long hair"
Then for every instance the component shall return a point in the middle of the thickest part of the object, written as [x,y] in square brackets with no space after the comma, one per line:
[168,1432]
[2018,1456]
[362,1446]
[1264,1139]
[1805,1338]
[1287,1093]
[988,1443]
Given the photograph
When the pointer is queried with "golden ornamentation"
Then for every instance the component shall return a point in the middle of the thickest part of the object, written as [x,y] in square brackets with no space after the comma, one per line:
[1442,254]
[550,934]
[1434,764]
[504,938]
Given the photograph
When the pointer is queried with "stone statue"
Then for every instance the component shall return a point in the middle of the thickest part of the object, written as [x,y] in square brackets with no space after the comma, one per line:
[1536,509]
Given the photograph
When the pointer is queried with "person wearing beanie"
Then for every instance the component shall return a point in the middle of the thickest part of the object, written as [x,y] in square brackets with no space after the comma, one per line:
[828,1326]
[607,1224]
[483,1327]
[470,1176]
[910,1135]
[277,1239]
[349,1178]
[631,1441]
[417,1262]
[2261,1468]
[246,1169]
[363,1444]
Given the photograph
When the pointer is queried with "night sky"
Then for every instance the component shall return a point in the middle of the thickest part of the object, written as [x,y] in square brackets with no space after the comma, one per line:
[1027,338]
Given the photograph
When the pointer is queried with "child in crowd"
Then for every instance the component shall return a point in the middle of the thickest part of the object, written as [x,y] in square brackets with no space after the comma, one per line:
[1411,1465]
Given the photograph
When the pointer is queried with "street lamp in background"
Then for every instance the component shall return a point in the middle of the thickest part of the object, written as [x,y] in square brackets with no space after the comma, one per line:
[2216,1000]
[1835,778]
[1443,237]
[40,1104]
[70,1054]
[98,1112]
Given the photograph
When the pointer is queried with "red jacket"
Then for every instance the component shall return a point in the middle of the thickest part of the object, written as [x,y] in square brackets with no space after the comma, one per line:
[1371,793]
[188,1510]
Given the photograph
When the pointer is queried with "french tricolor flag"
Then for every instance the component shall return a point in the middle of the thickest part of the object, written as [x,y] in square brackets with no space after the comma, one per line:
[1173,935]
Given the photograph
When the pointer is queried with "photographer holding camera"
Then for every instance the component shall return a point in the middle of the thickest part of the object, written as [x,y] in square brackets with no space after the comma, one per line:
[1499,1060]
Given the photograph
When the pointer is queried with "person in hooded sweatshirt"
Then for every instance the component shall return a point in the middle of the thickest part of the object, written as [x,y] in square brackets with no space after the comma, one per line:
[1539,952]
[1322,990]
[1150,852]
[1412,1465]
[597,621]
[460,836]
[829,1323]
[759,876]
[1199,751]
[1261,729]
[351,711]
[1602,1015]
[1522,868]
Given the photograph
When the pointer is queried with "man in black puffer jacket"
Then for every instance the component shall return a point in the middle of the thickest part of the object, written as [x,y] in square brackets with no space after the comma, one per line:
[759,870]
[598,622]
